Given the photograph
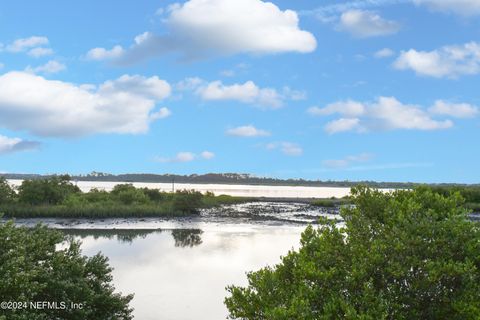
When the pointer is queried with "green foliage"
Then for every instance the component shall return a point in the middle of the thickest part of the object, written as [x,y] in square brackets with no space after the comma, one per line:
[187,201]
[155,195]
[127,194]
[329,203]
[223,178]
[406,255]
[7,194]
[96,196]
[211,200]
[90,211]
[471,194]
[33,270]
[46,191]
[58,197]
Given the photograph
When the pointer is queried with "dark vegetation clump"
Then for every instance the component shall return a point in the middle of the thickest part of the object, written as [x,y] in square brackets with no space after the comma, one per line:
[41,265]
[57,196]
[410,254]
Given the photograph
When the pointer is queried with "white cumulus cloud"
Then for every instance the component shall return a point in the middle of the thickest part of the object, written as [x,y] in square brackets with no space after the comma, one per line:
[294,95]
[104,54]
[456,110]
[447,62]
[347,108]
[23,44]
[384,53]
[348,161]
[328,12]
[44,107]
[186,156]
[152,87]
[51,66]
[386,113]
[343,124]
[189,84]
[207,155]
[247,92]
[365,24]
[10,145]
[40,52]
[202,28]
[247,131]
[179,157]
[287,148]
[461,7]
[161,114]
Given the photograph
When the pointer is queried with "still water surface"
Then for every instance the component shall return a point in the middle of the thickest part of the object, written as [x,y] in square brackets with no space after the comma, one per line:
[178,268]
[181,274]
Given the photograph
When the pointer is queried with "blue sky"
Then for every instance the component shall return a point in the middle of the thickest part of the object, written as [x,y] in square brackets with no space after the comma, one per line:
[382,90]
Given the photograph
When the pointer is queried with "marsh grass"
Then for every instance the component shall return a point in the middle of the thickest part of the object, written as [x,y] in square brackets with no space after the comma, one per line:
[330,203]
[113,210]
[58,198]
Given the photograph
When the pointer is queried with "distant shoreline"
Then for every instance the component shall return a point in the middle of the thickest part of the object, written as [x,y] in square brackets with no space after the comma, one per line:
[226,179]
[258,192]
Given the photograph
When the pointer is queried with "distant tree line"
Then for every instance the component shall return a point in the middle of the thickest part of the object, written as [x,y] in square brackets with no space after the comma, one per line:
[216,178]
[232,178]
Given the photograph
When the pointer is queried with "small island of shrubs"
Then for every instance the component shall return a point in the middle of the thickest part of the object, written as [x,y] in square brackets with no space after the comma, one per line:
[58,197]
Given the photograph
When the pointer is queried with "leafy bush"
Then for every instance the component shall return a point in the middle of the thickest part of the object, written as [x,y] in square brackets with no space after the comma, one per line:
[33,270]
[325,203]
[470,193]
[127,194]
[96,196]
[155,195]
[211,200]
[187,201]
[46,191]
[405,255]
[7,194]
[58,197]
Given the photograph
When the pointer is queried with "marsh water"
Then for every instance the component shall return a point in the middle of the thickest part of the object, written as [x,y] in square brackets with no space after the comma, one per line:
[178,269]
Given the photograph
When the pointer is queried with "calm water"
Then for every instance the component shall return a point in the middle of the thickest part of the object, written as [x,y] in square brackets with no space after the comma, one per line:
[178,268]
[181,274]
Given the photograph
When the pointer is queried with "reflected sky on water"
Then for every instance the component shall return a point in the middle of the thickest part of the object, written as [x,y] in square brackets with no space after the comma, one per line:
[181,274]
[178,268]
